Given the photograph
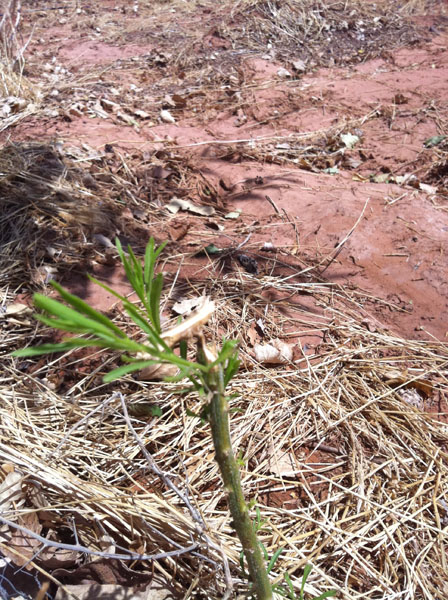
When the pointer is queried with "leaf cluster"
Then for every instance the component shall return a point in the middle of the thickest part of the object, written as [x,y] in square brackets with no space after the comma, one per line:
[94,329]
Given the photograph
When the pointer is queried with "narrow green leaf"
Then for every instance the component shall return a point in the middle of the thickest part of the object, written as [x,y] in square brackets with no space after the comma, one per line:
[77,342]
[154,301]
[127,304]
[263,549]
[119,248]
[279,590]
[65,313]
[62,324]
[306,571]
[228,349]
[42,349]
[326,595]
[107,288]
[231,369]
[242,566]
[172,358]
[129,359]
[274,559]
[129,368]
[190,413]
[86,309]
[158,250]
[103,340]
[137,274]
[81,342]
[287,578]
[124,261]
[138,319]
[111,344]
[149,263]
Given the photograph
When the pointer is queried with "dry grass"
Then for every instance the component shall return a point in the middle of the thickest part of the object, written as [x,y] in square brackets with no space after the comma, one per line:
[19,97]
[44,208]
[311,151]
[437,171]
[345,462]
[319,33]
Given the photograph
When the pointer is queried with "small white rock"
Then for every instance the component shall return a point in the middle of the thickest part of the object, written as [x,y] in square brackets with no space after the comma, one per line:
[167,117]
[299,66]
[283,73]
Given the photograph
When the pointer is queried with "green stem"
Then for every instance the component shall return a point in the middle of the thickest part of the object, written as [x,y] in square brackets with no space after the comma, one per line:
[219,422]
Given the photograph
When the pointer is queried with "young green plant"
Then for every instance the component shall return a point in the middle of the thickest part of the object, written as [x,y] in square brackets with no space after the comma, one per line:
[210,373]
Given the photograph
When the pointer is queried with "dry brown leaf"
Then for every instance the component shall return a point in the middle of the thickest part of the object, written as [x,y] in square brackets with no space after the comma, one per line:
[252,334]
[393,377]
[87,591]
[178,231]
[157,372]
[22,547]
[282,463]
[104,571]
[58,558]
[11,491]
[275,353]
[187,305]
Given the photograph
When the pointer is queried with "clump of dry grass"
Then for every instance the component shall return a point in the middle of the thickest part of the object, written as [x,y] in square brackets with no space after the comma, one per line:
[322,33]
[44,209]
[19,97]
[437,171]
[9,24]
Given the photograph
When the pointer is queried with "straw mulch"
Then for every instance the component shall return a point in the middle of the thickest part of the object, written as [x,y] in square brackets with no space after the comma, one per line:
[323,33]
[345,453]
[45,209]
[345,462]
[320,33]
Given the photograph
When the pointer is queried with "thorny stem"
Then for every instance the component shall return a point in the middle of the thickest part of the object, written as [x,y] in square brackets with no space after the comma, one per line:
[219,422]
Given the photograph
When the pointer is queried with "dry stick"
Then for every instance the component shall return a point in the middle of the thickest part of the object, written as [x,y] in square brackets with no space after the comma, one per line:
[273,204]
[342,243]
[78,548]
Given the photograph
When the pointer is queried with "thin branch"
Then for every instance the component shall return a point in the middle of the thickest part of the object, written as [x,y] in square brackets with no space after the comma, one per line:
[84,549]
[155,469]
[342,242]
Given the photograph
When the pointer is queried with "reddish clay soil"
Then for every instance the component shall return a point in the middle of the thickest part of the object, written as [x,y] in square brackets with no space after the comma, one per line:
[392,103]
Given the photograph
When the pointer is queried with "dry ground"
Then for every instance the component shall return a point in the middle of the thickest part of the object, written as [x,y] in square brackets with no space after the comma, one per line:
[308,143]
